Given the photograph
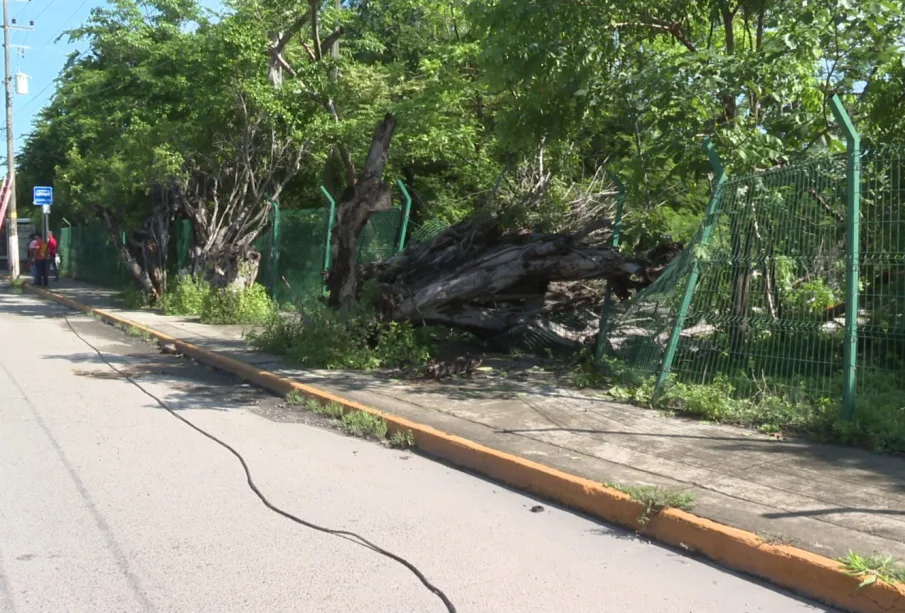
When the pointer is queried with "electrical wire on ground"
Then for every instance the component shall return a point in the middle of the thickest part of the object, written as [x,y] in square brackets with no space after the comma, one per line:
[351,536]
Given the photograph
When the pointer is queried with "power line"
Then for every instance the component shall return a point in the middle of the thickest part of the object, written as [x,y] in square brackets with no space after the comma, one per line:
[66,23]
[46,7]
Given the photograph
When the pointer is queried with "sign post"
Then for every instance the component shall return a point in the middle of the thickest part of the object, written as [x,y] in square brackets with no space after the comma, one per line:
[43,197]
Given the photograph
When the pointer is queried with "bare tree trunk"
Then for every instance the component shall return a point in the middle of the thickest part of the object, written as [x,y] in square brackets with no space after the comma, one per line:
[128,259]
[367,196]
[228,197]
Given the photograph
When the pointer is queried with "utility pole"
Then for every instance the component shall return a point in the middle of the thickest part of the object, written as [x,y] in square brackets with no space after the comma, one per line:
[12,230]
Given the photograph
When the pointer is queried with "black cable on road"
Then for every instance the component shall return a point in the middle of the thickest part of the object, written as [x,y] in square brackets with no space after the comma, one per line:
[355,538]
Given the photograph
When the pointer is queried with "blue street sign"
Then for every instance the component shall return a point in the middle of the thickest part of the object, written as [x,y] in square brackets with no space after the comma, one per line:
[43,196]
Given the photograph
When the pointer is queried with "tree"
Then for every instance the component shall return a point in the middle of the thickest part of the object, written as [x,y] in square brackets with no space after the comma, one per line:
[169,107]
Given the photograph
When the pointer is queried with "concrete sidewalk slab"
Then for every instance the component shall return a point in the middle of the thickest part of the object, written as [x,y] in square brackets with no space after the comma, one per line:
[824,499]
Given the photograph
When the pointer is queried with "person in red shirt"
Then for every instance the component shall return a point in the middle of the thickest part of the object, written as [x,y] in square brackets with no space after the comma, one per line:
[52,256]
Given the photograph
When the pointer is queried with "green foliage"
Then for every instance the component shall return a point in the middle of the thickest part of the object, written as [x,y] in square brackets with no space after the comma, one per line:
[333,410]
[186,297]
[359,423]
[356,423]
[873,568]
[319,337]
[230,306]
[878,424]
[812,297]
[295,398]
[190,296]
[134,298]
[402,439]
[654,499]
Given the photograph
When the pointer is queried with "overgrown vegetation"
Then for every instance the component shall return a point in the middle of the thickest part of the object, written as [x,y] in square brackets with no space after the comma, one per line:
[402,439]
[878,424]
[219,306]
[134,332]
[250,305]
[134,298]
[185,297]
[320,337]
[17,285]
[654,499]
[871,569]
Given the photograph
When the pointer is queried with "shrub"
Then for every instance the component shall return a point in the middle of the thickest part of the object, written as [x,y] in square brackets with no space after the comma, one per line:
[229,306]
[218,306]
[320,337]
[185,298]
[134,298]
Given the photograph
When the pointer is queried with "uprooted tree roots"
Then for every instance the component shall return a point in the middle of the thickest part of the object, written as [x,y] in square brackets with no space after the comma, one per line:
[484,275]
[480,278]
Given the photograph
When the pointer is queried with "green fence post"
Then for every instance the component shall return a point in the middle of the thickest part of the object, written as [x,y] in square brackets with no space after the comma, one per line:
[119,263]
[68,264]
[330,219]
[608,298]
[406,212]
[674,336]
[852,255]
[275,250]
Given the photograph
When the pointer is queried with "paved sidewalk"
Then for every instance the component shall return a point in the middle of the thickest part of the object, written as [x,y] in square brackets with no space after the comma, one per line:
[822,498]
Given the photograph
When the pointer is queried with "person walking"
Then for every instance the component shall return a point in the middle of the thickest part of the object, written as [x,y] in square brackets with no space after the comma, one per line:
[52,256]
[32,252]
[41,258]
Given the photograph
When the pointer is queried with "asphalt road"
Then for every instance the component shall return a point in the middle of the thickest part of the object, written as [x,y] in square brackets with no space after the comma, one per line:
[109,504]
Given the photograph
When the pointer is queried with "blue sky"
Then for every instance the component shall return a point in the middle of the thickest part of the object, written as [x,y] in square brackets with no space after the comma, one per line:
[44,60]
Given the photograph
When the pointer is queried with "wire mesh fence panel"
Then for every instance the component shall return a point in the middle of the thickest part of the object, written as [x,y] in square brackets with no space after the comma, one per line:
[298,276]
[881,329]
[379,239]
[64,249]
[765,312]
[762,312]
[94,257]
[423,232]
[638,329]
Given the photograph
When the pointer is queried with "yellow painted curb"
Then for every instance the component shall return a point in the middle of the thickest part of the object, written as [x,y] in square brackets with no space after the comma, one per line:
[805,573]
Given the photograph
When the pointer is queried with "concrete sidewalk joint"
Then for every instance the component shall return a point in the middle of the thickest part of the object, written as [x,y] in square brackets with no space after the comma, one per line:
[800,571]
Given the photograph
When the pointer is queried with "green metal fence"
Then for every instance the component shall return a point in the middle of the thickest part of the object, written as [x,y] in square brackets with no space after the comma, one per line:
[765,299]
[294,250]
[64,249]
[94,258]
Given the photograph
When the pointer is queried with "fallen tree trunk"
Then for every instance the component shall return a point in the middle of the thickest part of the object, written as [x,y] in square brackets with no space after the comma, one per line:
[480,275]
[477,277]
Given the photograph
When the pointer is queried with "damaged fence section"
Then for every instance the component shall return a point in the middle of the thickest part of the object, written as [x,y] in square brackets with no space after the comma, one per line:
[792,289]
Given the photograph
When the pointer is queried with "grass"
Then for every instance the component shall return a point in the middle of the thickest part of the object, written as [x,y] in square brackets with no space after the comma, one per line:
[654,499]
[782,408]
[402,439]
[135,332]
[363,424]
[870,569]
[356,423]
